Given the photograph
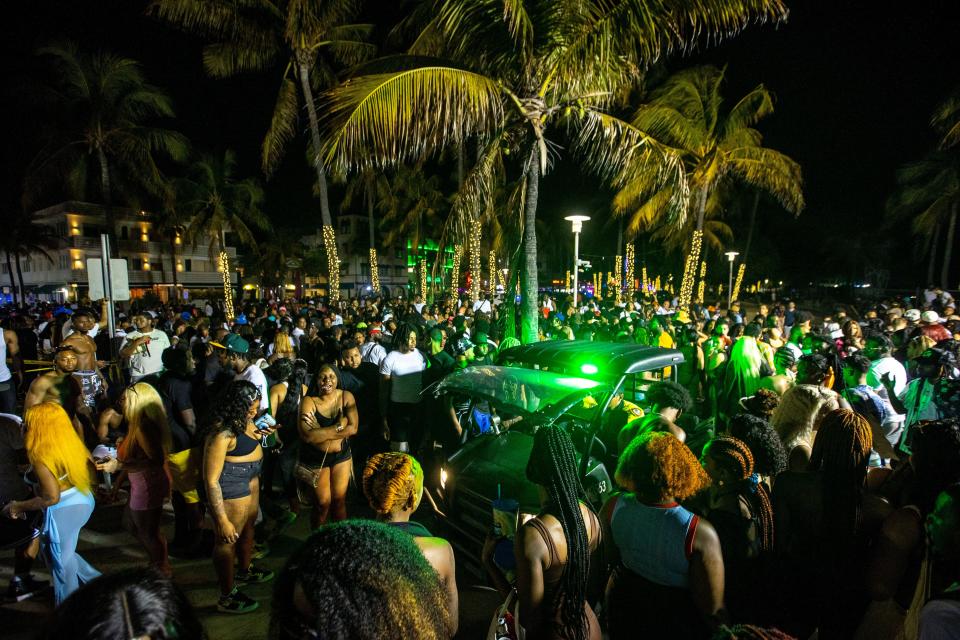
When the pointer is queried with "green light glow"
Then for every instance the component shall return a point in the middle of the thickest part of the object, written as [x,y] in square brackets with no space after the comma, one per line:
[576,383]
[588,369]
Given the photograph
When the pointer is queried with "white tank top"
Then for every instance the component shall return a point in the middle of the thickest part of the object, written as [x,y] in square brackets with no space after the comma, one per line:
[5,374]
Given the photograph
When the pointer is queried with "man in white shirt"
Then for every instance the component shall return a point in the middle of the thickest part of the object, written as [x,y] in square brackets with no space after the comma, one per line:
[372,350]
[143,348]
[878,348]
[234,354]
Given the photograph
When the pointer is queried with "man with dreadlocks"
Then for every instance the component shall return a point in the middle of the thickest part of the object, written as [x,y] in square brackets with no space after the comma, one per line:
[553,549]
[825,521]
[738,506]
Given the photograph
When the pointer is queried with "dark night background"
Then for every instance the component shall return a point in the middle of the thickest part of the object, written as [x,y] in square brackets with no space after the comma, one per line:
[855,85]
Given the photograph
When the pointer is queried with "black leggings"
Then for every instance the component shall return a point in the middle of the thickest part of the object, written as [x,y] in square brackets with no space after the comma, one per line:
[406,423]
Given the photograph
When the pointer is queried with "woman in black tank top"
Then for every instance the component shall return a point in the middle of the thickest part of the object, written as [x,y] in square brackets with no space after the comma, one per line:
[327,420]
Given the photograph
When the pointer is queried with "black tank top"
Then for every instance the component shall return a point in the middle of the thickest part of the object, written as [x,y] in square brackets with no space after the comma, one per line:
[289,408]
[244,447]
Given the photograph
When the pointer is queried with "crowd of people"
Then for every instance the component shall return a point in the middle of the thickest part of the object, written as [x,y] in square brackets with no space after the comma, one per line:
[797,475]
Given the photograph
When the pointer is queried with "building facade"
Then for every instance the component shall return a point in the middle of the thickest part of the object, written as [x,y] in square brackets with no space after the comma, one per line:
[160,264]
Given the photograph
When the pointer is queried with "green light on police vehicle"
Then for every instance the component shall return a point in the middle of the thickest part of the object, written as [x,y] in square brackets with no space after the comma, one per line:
[576,383]
[588,369]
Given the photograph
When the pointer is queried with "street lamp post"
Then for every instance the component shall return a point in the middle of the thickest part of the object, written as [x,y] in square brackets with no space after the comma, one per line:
[577,223]
[731,256]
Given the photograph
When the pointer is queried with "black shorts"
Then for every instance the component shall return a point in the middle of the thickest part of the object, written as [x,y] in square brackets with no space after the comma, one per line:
[310,457]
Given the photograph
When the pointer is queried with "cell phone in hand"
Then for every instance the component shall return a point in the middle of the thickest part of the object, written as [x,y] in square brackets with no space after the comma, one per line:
[265,422]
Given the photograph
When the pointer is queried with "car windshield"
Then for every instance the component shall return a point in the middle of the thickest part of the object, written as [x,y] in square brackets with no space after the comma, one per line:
[526,390]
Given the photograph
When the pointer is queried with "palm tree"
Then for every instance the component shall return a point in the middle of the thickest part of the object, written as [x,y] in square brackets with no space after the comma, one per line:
[373,187]
[717,147]
[929,195]
[23,237]
[946,121]
[215,202]
[308,39]
[512,72]
[103,134]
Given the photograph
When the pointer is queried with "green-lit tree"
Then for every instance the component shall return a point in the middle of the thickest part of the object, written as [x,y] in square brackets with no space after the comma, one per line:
[305,39]
[718,146]
[103,132]
[511,73]
[216,202]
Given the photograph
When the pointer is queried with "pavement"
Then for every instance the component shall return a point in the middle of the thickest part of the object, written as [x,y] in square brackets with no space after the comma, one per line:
[108,547]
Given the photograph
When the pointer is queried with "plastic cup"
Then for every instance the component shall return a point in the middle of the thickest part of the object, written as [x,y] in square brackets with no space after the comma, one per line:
[505,512]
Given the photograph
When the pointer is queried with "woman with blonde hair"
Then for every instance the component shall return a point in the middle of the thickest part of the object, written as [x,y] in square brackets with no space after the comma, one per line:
[143,455]
[282,346]
[393,485]
[63,475]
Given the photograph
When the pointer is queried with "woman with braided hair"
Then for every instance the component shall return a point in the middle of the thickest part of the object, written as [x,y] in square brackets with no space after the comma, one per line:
[738,506]
[393,485]
[668,579]
[825,523]
[553,549]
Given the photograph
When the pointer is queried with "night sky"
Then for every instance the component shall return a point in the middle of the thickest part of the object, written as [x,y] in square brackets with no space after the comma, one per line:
[855,84]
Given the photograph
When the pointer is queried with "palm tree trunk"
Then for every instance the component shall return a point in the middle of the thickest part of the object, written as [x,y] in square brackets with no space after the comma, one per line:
[23,290]
[948,249]
[931,262]
[753,221]
[510,297]
[333,259]
[13,283]
[370,218]
[107,198]
[528,323]
[173,253]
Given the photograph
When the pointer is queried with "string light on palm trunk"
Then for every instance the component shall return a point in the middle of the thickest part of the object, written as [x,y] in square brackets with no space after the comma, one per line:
[423,279]
[227,285]
[333,262]
[736,285]
[475,260]
[374,272]
[618,279]
[492,268]
[644,281]
[455,271]
[566,283]
[690,269]
[703,281]
[630,282]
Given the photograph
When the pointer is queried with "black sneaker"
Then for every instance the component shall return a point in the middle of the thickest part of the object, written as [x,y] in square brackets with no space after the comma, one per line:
[253,574]
[236,602]
[23,587]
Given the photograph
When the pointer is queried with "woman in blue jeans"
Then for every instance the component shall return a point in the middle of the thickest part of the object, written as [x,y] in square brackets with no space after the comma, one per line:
[63,475]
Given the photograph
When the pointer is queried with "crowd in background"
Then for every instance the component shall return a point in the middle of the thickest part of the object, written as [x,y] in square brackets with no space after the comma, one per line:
[796,475]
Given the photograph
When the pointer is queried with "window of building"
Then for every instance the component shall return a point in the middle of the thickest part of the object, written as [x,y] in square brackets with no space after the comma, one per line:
[156,266]
[92,231]
[365,269]
[124,233]
[188,265]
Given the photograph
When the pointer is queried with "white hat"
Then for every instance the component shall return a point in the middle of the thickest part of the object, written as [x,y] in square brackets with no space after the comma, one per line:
[912,315]
[930,317]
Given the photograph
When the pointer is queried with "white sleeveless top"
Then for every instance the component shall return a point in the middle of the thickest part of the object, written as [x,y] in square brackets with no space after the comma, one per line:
[5,374]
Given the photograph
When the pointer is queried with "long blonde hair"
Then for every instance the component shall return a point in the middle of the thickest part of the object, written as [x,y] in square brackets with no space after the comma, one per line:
[52,441]
[283,345]
[147,427]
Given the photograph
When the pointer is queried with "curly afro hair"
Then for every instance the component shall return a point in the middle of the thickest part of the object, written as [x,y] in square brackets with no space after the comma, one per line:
[762,403]
[362,580]
[769,456]
[668,393]
[657,467]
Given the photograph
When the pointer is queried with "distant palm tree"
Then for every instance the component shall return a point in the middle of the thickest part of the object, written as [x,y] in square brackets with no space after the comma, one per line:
[215,202]
[929,195]
[512,73]
[23,237]
[307,39]
[946,121]
[374,188]
[717,146]
[103,133]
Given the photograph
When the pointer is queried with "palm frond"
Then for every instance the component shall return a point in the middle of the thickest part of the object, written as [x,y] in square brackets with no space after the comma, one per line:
[751,108]
[771,171]
[283,126]
[946,121]
[227,59]
[382,119]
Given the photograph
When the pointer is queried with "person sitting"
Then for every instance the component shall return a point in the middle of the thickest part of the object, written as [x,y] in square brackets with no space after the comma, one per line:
[669,578]
[362,580]
[393,486]
[668,400]
[130,603]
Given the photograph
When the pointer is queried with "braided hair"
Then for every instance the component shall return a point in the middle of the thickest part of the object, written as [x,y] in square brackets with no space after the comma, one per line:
[735,456]
[840,453]
[391,480]
[402,334]
[553,465]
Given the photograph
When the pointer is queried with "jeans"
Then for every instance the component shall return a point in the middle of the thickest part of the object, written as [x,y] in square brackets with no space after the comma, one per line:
[61,531]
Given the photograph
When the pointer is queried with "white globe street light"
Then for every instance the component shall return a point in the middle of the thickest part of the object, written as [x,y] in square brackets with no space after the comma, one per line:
[731,256]
[577,223]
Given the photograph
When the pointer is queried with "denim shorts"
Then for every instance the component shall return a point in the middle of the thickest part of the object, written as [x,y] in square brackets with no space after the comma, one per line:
[235,478]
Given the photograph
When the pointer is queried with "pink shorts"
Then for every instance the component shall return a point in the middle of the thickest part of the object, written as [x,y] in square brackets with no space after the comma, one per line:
[149,489]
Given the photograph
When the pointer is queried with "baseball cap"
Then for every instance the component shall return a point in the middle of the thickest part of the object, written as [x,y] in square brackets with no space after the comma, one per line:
[361,325]
[930,317]
[234,343]
[912,315]
[462,345]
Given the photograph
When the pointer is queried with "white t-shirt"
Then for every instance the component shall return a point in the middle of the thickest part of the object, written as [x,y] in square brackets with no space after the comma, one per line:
[892,366]
[148,358]
[406,375]
[255,374]
[372,352]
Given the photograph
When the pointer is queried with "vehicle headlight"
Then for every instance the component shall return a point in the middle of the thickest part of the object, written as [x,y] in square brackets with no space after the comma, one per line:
[443,478]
